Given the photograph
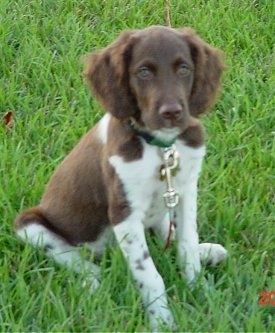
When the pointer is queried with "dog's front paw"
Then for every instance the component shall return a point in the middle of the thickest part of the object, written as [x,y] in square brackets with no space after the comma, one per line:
[212,254]
[160,319]
[91,284]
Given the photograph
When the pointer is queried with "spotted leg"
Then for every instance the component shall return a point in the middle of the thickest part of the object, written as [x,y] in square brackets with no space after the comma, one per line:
[131,239]
[188,239]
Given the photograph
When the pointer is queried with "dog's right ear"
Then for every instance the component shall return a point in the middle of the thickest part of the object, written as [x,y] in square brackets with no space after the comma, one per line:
[107,74]
[208,71]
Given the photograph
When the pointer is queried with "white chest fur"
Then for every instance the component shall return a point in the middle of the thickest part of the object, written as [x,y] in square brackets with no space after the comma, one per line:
[142,184]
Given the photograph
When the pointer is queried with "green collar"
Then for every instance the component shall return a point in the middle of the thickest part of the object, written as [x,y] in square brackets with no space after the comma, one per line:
[148,137]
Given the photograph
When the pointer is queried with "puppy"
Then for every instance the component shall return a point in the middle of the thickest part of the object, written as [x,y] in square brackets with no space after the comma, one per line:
[154,84]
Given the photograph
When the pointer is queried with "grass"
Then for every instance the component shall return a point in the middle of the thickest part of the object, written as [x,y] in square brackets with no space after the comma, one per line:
[40,79]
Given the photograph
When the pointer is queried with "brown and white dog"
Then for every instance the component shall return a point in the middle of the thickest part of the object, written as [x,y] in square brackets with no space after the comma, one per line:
[161,80]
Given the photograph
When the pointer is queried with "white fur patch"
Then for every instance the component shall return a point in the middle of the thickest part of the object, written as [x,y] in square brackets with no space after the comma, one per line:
[39,236]
[102,129]
[140,179]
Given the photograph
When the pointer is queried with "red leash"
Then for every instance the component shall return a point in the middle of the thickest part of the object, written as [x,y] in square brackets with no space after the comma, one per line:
[168,240]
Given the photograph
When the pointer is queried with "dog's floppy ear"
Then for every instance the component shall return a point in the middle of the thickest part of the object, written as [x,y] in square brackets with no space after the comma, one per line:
[207,72]
[107,74]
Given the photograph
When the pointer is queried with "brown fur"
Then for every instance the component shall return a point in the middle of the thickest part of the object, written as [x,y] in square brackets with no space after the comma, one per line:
[84,195]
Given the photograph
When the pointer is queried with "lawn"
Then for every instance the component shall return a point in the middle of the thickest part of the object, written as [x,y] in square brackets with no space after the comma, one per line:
[41,84]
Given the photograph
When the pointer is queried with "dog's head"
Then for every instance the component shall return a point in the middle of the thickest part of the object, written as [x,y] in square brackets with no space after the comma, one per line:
[161,76]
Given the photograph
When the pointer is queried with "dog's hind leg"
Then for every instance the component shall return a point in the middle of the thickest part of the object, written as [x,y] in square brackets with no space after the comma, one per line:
[61,251]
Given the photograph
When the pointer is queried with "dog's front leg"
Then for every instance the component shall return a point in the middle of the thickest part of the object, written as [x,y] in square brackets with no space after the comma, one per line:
[131,239]
[187,235]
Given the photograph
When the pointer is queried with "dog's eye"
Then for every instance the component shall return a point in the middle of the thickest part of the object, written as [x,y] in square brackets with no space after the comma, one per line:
[183,70]
[145,73]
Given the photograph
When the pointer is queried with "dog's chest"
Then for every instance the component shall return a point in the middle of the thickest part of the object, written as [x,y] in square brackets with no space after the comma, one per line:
[141,180]
[143,187]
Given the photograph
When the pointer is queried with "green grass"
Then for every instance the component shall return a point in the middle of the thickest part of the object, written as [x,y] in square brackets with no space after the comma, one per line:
[40,79]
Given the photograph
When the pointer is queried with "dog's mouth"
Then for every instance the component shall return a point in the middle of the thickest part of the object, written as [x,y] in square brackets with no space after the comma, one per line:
[170,124]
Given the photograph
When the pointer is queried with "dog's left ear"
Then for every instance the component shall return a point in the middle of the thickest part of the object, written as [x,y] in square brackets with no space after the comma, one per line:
[107,74]
[207,72]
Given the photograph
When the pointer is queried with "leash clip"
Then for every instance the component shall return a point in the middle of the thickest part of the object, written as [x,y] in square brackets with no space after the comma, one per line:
[167,171]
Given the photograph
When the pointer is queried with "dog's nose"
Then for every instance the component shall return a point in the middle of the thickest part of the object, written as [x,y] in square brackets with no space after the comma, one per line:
[171,111]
